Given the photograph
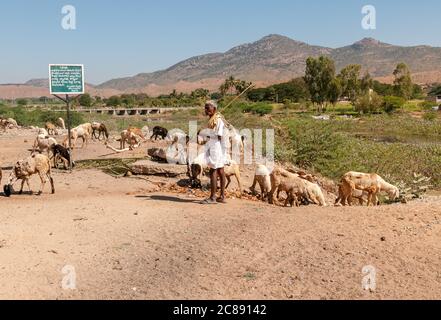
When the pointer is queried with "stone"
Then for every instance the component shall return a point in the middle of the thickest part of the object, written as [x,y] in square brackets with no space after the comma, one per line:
[150,168]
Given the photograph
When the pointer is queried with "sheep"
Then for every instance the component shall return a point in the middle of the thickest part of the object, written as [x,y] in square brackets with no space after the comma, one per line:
[43,143]
[262,177]
[372,184]
[282,180]
[50,128]
[24,169]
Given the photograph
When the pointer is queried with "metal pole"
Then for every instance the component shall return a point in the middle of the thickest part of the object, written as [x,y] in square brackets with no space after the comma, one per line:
[68,131]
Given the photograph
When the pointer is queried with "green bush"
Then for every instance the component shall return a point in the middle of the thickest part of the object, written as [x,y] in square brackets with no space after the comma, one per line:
[427,105]
[430,116]
[37,117]
[262,109]
[392,103]
[369,103]
[22,102]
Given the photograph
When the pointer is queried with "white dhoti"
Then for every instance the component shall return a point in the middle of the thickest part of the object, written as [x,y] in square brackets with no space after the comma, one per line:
[216,152]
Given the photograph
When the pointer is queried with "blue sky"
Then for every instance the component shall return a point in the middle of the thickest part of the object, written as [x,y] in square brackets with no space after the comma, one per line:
[122,38]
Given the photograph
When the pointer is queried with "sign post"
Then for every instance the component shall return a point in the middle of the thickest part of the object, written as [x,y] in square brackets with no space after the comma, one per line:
[66,79]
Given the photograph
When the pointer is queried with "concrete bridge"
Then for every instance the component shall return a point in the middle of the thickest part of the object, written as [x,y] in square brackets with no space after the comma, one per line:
[123,112]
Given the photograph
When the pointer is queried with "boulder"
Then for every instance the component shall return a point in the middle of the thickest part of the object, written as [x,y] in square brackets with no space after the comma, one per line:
[150,168]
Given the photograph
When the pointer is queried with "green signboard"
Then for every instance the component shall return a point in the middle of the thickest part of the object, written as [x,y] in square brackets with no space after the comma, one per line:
[66,79]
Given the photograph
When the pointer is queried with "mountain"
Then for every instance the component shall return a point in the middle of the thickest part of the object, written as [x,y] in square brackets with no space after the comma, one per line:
[276,58]
[270,60]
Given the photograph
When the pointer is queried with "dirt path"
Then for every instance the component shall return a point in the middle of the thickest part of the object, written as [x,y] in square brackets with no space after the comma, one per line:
[127,243]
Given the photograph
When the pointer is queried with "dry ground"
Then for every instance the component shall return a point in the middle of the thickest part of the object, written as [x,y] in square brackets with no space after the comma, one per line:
[127,243]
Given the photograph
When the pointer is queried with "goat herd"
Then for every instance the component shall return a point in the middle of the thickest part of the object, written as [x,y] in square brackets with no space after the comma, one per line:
[47,152]
[300,188]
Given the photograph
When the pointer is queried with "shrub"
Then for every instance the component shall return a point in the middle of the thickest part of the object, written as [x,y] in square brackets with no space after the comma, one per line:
[22,102]
[392,103]
[262,109]
[369,103]
[38,117]
[427,105]
[430,116]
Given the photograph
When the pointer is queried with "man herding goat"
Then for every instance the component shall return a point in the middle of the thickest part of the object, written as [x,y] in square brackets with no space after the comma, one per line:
[216,152]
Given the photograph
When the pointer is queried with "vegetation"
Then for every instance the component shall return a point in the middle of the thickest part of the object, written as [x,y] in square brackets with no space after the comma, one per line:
[379,145]
[37,117]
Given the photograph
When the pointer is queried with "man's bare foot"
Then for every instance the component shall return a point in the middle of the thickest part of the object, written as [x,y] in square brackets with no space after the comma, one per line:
[208,201]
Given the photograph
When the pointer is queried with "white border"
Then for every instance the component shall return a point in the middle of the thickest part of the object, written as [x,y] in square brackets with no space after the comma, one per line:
[66,65]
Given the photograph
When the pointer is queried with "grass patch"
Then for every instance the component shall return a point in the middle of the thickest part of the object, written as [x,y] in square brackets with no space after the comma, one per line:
[115,167]
[335,147]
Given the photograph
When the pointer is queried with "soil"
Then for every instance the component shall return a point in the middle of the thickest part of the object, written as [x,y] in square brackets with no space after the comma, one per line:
[126,238]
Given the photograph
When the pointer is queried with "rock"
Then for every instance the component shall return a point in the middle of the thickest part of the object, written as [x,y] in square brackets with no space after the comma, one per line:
[157,154]
[150,168]
[383,239]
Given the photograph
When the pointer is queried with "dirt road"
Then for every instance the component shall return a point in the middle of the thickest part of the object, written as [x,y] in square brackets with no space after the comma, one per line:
[124,242]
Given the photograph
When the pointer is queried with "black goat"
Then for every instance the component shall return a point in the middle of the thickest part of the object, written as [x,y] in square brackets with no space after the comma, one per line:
[159,132]
[60,152]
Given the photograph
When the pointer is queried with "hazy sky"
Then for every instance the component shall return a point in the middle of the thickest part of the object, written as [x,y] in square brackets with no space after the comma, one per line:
[122,38]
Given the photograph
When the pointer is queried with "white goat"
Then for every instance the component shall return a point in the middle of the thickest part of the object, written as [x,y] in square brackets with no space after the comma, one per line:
[43,143]
[262,177]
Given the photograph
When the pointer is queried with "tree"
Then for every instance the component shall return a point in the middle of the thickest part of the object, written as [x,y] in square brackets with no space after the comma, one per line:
[403,81]
[335,91]
[383,89]
[227,85]
[320,73]
[85,100]
[113,101]
[391,104]
[435,90]
[200,93]
[366,83]
[22,102]
[350,81]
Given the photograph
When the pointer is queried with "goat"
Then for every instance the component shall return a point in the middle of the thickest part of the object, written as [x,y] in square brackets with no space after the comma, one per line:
[262,177]
[50,128]
[159,132]
[43,143]
[83,131]
[199,165]
[61,124]
[61,153]
[131,138]
[370,183]
[101,130]
[282,180]
[24,169]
